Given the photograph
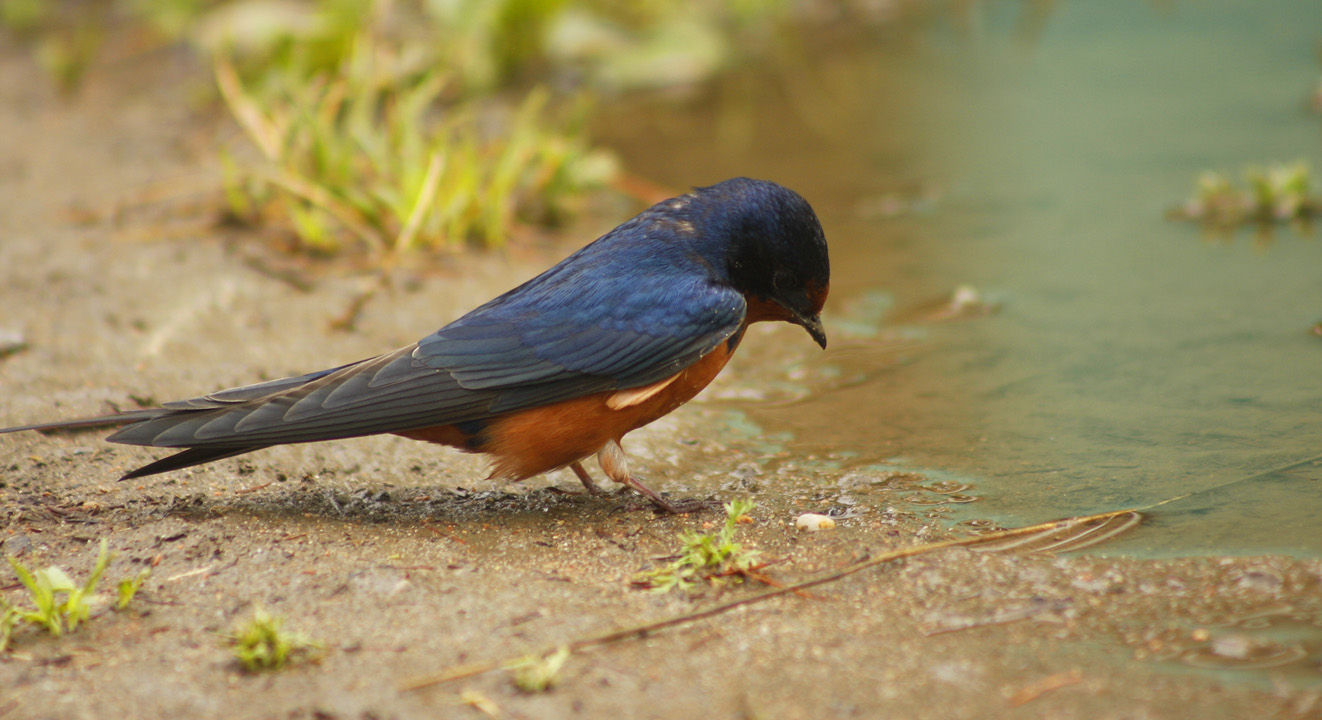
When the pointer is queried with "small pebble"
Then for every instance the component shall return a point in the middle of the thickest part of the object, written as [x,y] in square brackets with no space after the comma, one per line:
[1235,647]
[812,522]
[11,342]
[1261,581]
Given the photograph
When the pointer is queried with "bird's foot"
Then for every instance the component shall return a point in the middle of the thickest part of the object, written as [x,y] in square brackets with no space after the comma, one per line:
[592,487]
[613,463]
[669,507]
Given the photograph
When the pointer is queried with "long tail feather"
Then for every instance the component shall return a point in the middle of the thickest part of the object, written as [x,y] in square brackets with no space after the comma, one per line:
[101,421]
[189,458]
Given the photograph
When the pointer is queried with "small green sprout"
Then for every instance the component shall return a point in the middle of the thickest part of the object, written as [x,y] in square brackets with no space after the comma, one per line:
[705,557]
[262,643]
[60,603]
[128,588]
[534,674]
[46,586]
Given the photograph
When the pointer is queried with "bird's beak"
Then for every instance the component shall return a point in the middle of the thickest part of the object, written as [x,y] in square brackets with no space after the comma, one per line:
[813,325]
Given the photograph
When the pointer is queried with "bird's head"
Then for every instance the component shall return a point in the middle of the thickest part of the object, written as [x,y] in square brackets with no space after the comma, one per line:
[775,251]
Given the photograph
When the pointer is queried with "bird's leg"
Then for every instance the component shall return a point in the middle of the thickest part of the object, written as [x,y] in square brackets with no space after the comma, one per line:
[616,466]
[585,478]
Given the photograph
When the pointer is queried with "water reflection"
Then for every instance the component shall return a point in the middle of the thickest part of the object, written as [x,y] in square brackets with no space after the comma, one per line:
[1128,361]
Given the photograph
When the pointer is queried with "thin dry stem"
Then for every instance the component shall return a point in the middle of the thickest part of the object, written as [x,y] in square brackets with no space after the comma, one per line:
[479,668]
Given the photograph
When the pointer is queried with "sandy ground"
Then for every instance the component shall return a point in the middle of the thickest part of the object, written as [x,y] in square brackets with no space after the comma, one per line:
[402,560]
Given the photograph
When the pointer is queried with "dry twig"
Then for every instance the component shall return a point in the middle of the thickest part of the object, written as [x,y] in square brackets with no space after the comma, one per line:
[479,668]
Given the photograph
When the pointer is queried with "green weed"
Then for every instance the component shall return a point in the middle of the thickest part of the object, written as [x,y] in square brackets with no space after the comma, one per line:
[397,125]
[262,643]
[709,557]
[128,588]
[367,160]
[535,673]
[1278,193]
[59,603]
[64,41]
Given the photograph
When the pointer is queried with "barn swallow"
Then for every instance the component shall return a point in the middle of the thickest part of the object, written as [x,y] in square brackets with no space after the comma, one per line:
[620,333]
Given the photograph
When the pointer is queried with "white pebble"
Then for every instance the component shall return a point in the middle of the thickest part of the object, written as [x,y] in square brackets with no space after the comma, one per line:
[812,522]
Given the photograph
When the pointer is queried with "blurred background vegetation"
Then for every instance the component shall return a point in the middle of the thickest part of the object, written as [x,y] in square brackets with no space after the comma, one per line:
[386,126]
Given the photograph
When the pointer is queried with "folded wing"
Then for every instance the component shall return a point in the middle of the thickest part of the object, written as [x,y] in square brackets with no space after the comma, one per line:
[534,346]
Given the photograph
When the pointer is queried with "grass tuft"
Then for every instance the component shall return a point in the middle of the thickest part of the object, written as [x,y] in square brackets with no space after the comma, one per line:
[705,557]
[60,604]
[363,160]
[1277,193]
[539,673]
[262,643]
[394,126]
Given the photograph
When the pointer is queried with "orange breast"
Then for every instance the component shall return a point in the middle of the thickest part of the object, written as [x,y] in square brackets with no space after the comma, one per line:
[542,439]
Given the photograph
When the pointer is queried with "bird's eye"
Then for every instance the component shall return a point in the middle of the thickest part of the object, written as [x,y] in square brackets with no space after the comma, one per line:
[781,280]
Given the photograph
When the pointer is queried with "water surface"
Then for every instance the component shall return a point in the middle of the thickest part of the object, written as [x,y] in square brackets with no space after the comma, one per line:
[1032,156]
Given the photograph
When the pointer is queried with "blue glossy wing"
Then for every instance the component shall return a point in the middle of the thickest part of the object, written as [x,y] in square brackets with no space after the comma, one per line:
[567,333]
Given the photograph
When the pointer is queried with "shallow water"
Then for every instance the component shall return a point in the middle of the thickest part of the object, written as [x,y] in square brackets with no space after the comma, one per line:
[1132,359]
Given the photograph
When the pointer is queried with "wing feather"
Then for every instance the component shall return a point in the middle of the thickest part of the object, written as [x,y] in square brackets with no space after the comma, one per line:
[507,355]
